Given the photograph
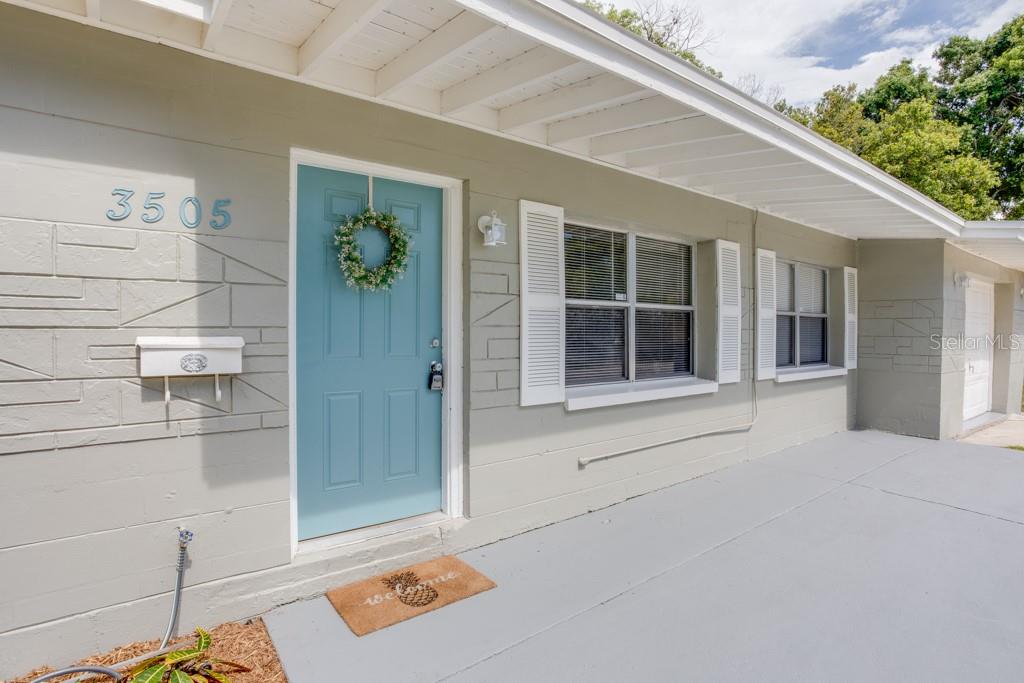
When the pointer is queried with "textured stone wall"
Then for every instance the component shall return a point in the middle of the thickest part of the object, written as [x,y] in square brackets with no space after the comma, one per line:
[73,299]
[895,335]
[910,382]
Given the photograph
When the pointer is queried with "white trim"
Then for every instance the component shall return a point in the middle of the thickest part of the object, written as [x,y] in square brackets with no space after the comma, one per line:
[605,47]
[452,455]
[600,395]
[784,375]
[572,29]
[369,533]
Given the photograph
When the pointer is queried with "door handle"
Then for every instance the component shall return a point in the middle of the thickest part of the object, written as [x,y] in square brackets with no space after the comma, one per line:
[436,380]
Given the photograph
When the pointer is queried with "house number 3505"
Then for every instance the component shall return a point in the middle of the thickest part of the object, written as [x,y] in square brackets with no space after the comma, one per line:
[190,210]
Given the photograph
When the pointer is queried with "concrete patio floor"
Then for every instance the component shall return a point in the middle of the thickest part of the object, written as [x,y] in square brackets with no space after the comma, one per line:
[859,556]
[1008,432]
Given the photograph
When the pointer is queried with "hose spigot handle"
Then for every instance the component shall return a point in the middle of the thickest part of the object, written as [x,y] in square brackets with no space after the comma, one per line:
[184,536]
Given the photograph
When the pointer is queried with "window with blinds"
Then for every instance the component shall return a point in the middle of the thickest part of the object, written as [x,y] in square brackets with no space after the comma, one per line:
[629,307]
[801,326]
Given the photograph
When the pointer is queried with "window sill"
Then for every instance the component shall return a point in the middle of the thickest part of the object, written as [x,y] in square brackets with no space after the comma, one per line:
[813,372]
[637,392]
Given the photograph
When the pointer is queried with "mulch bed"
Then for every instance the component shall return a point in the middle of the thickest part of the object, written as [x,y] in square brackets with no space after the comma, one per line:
[247,644]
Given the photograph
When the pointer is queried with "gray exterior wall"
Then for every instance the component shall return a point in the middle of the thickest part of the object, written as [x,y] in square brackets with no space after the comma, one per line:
[95,472]
[909,384]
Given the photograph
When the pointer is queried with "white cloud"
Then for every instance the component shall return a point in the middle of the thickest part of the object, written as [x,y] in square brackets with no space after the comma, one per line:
[758,38]
[917,35]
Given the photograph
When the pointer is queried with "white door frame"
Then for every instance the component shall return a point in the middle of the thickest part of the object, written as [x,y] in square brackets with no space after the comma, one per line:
[974,281]
[451,321]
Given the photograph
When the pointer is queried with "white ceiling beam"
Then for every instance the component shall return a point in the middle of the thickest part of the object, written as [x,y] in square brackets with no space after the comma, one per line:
[818,197]
[692,129]
[862,215]
[861,208]
[771,184]
[458,34]
[539,63]
[697,151]
[93,9]
[570,27]
[727,164]
[587,95]
[615,119]
[790,169]
[346,20]
[778,197]
[876,225]
[212,31]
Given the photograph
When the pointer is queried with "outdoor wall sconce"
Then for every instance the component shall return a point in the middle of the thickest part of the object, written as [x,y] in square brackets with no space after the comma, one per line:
[493,229]
[189,357]
[962,280]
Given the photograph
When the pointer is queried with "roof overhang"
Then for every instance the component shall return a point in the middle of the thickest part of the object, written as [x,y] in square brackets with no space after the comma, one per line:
[553,74]
[999,241]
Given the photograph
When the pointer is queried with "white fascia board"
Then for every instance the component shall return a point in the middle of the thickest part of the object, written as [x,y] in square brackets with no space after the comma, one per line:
[568,27]
[993,230]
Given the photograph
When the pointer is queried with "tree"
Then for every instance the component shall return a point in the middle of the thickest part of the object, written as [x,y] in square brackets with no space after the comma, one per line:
[800,114]
[753,85]
[902,83]
[839,117]
[909,142]
[982,87]
[928,154]
[677,28]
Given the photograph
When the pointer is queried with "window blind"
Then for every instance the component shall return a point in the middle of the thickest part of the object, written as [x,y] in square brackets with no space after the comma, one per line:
[812,340]
[595,264]
[784,300]
[812,290]
[663,272]
[595,345]
[662,343]
[784,338]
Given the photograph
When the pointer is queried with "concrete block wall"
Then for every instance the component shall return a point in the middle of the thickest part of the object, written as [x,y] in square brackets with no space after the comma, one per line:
[524,458]
[69,369]
[94,465]
[79,116]
[911,382]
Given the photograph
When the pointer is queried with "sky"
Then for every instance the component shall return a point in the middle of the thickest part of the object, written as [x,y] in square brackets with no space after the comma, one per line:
[807,46]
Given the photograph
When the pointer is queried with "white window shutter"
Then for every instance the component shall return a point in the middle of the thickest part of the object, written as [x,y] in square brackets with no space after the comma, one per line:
[730,313]
[765,314]
[542,287]
[850,312]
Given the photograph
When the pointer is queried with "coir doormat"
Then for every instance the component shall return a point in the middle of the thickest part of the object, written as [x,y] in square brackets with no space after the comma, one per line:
[384,600]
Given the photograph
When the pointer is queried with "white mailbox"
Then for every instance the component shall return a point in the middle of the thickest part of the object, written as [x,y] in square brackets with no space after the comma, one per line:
[188,357]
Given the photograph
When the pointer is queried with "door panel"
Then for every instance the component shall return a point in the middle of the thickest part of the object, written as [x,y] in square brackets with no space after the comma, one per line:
[978,330]
[369,430]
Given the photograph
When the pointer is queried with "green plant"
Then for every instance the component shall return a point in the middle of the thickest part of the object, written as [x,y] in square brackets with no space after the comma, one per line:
[189,665]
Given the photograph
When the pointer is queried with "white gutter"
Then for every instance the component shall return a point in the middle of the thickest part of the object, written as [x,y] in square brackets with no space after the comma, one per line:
[570,28]
[993,230]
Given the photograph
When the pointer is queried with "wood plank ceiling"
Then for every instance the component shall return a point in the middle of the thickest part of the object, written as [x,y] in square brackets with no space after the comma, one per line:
[442,59]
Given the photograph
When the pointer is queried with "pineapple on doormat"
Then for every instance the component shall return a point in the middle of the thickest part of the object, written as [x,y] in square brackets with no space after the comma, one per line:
[410,590]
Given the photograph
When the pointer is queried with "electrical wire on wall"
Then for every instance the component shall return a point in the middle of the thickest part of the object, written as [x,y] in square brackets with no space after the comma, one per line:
[745,427]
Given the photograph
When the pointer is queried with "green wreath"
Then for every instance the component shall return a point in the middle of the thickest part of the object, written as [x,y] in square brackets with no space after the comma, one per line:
[351,260]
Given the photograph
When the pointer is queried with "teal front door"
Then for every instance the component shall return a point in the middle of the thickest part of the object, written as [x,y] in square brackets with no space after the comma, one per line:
[369,428]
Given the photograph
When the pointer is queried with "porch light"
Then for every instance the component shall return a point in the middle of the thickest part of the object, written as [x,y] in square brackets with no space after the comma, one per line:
[493,229]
